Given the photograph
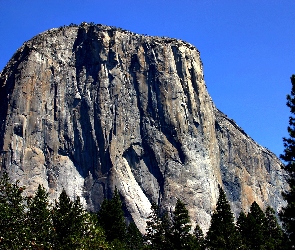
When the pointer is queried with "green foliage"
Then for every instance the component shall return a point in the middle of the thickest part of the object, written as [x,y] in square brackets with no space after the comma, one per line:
[39,220]
[94,235]
[111,219]
[155,233]
[287,214]
[35,225]
[167,230]
[134,237]
[256,223]
[243,229]
[13,229]
[274,233]
[69,222]
[199,238]
[162,233]
[181,237]
[222,233]
[260,230]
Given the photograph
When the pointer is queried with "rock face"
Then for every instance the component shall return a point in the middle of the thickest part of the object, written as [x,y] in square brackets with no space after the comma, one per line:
[90,108]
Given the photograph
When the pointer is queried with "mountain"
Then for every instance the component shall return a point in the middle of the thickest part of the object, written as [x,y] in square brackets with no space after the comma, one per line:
[89,108]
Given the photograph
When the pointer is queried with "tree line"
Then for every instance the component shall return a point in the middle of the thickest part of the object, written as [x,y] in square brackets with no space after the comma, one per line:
[34,223]
[255,230]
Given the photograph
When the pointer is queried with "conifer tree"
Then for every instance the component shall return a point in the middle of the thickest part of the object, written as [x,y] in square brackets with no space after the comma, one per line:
[94,235]
[287,214]
[260,230]
[33,225]
[39,220]
[155,233]
[69,222]
[111,219]
[199,238]
[222,232]
[256,224]
[274,233]
[13,229]
[134,237]
[181,237]
[243,229]
[167,230]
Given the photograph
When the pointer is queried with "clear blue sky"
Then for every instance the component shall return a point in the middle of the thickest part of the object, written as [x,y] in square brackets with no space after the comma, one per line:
[247,47]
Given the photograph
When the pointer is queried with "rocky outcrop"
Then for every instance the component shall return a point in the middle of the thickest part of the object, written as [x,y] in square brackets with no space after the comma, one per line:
[90,108]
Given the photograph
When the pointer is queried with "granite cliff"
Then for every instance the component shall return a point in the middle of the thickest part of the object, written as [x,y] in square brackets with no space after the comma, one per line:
[89,108]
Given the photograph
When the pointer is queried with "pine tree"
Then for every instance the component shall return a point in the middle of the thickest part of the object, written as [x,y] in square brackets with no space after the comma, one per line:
[274,233]
[13,229]
[243,229]
[134,237]
[94,237]
[222,233]
[199,238]
[39,220]
[260,230]
[155,233]
[69,222]
[256,223]
[111,219]
[167,230]
[287,214]
[181,227]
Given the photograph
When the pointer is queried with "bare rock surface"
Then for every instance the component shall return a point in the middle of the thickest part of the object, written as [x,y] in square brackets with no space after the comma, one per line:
[89,108]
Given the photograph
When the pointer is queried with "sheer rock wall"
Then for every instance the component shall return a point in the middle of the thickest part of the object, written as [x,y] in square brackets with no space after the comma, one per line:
[93,107]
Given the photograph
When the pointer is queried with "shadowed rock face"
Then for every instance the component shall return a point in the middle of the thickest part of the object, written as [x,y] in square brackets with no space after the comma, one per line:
[91,108]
